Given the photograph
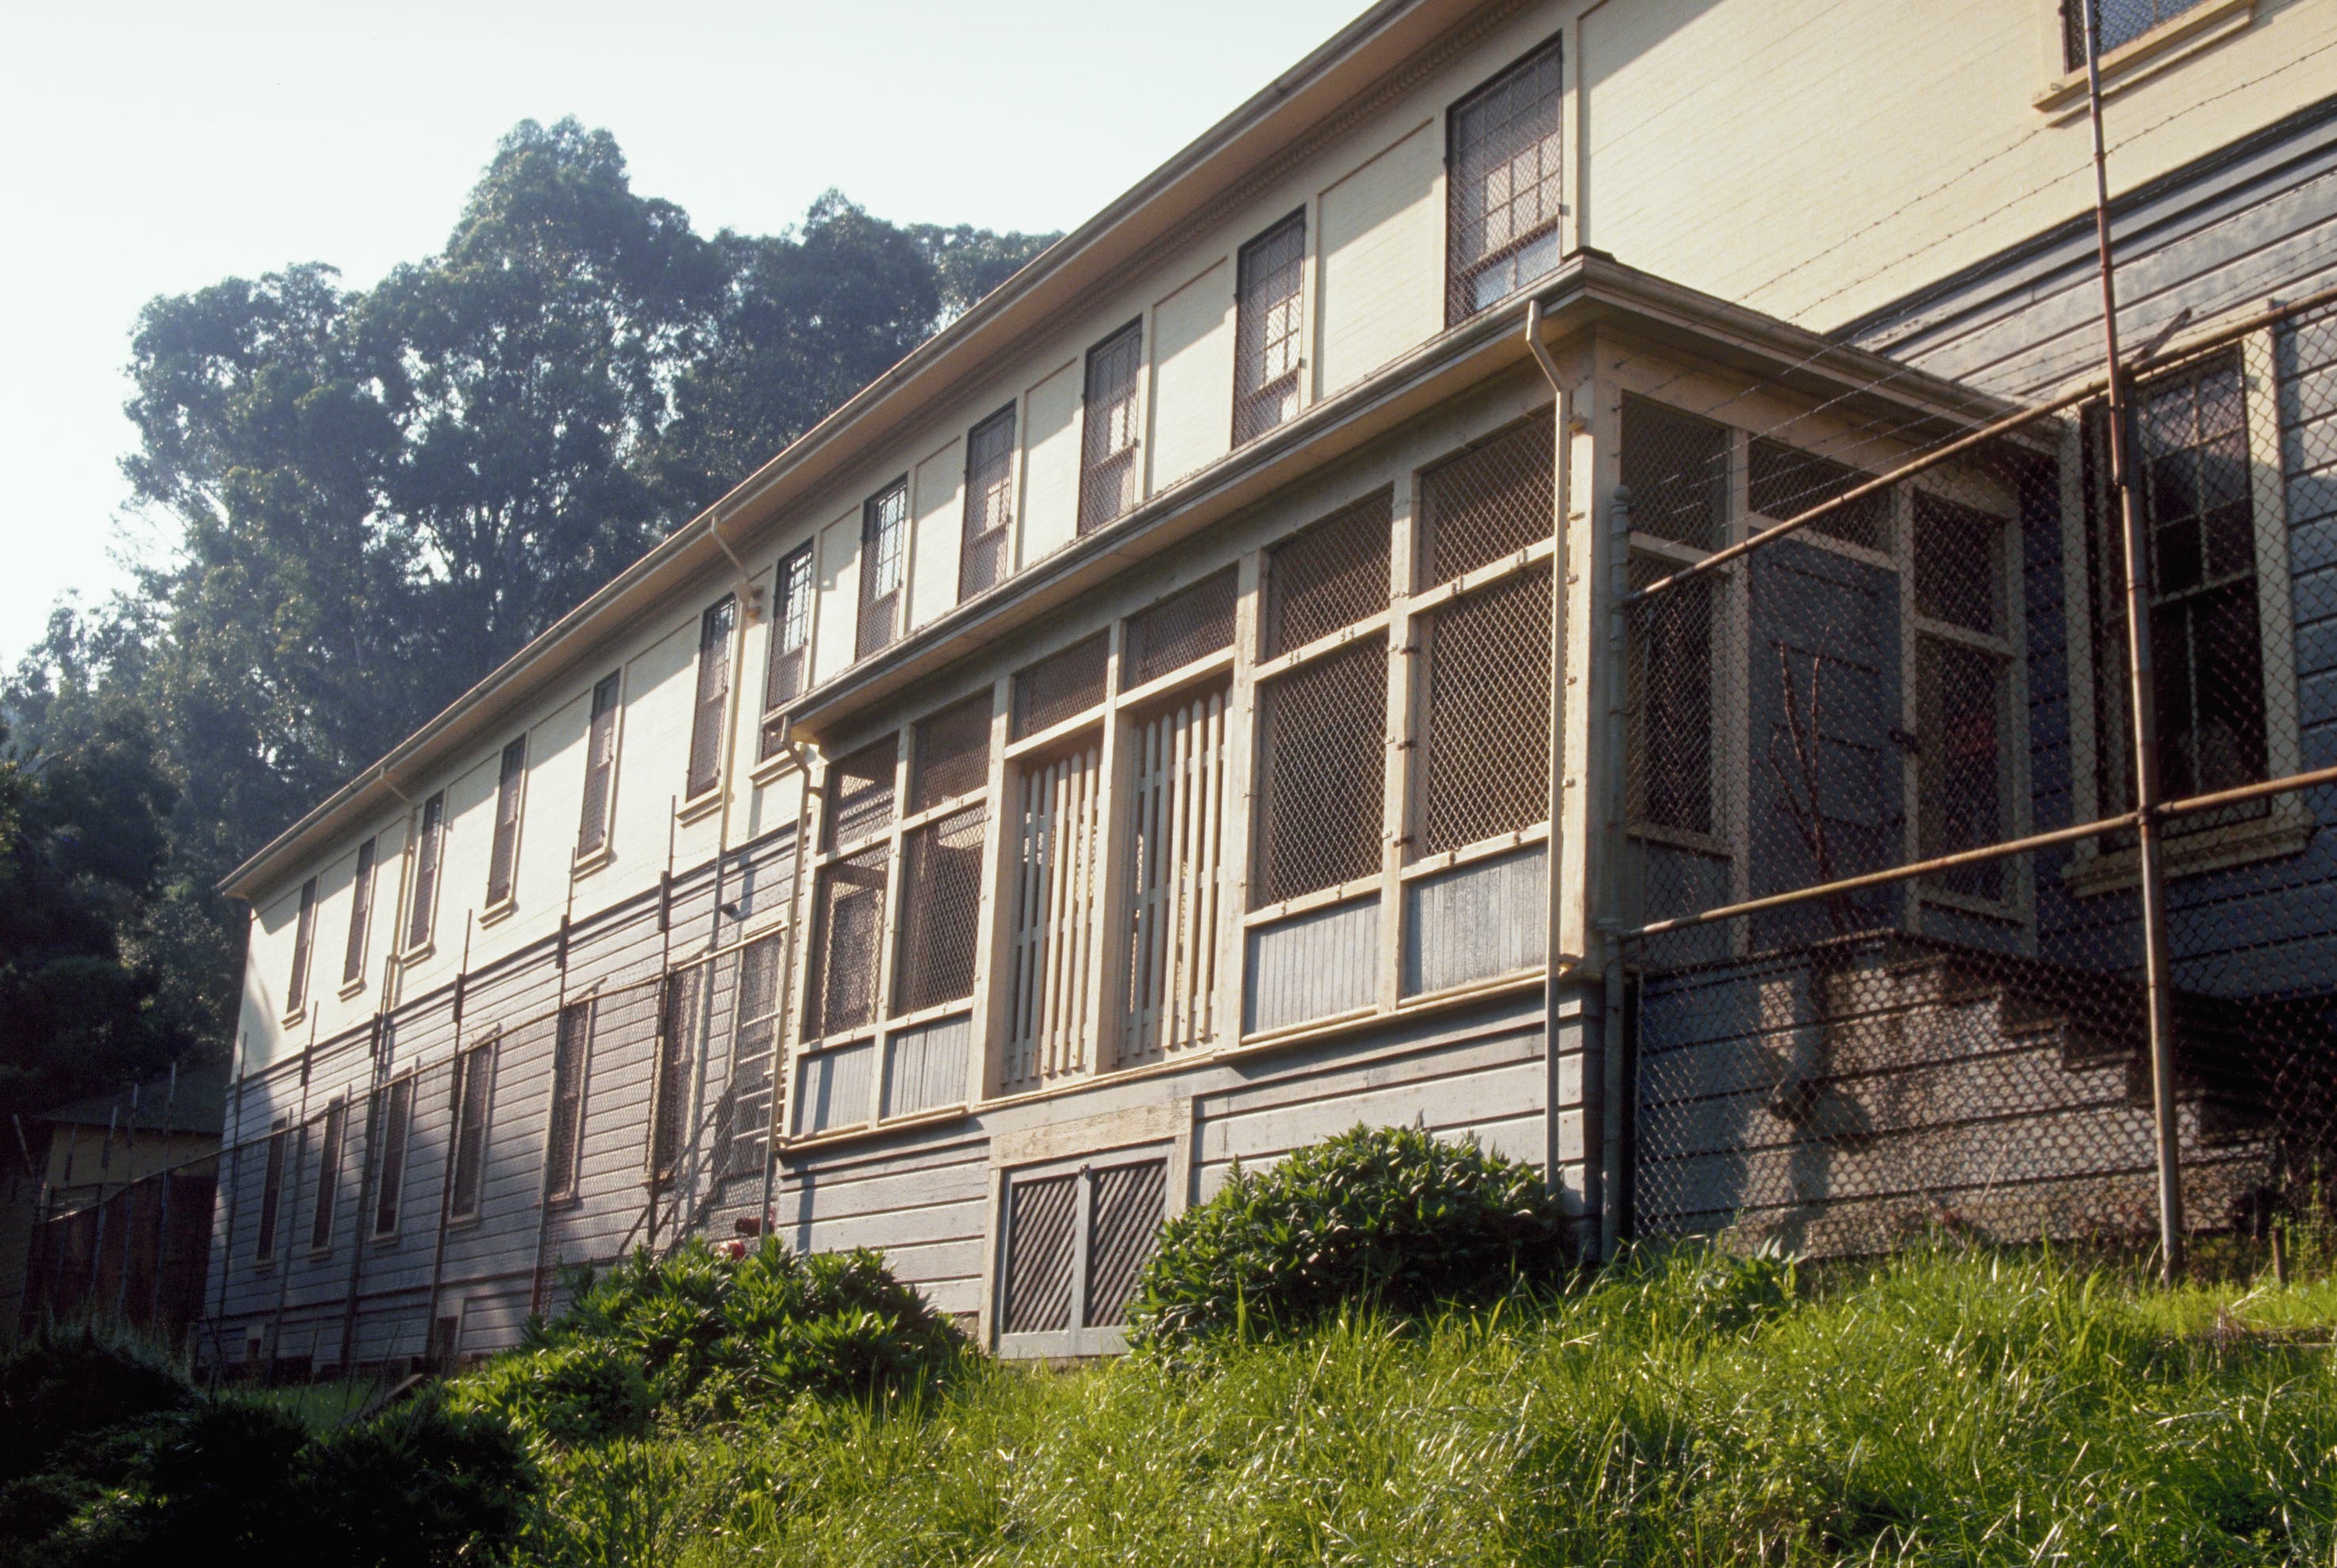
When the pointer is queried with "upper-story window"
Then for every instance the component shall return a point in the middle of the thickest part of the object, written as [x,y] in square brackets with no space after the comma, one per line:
[713,697]
[982,562]
[304,936]
[783,672]
[428,846]
[2115,22]
[1107,474]
[884,562]
[599,766]
[360,915]
[1266,334]
[502,859]
[1502,160]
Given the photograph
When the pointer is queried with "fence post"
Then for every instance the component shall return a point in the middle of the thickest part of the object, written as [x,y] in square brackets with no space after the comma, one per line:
[2142,702]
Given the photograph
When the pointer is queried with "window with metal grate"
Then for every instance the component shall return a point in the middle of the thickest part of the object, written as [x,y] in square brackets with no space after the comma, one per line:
[1186,626]
[474,1088]
[1268,332]
[389,1169]
[1668,750]
[860,793]
[681,1010]
[713,697]
[600,766]
[783,671]
[271,1192]
[847,925]
[1485,741]
[502,857]
[1322,732]
[1062,685]
[1676,466]
[1782,482]
[1503,164]
[754,1045]
[1492,501]
[332,1127]
[2116,23]
[304,936]
[564,1138]
[941,898]
[984,551]
[883,565]
[1108,441]
[429,843]
[353,956]
[951,754]
[1329,576]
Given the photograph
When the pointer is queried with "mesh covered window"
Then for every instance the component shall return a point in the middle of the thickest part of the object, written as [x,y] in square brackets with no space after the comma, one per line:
[1176,824]
[272,1194]
[1061,686]
[1052,947]
[1492,501]
[1041,1227]
[396,1125]
[1962,786]
[599,768]
[848,926]
[1108,441]
[502,857]
[353,956]
[429,843]
[941,897]
[1668,722]
[680,1004]
[1782,482]
[860,793]
[1330,576]
[1485,736]
[983,557]
[571,1051]
[1322,747]
[883,565]
[304,938]
[951,754]
[712,698]
[474,1088]
[1676,466]
[332,1133]
[753,1045]
[1502,157]
[2115,22]
[1182,628]
[1267,331]
[785,669]
[1959,565]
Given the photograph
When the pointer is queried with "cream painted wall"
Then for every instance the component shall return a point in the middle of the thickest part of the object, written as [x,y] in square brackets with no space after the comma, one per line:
[937,503]
[1051,463]
[1382,267]
[1192,399]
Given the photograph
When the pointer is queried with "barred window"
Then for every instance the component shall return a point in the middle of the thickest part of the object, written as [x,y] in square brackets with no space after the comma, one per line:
[883,564]
[1321,731]
[1782,482]
[848,926]
[1492,501]
[428,844]
[271,1192]
[563,1142]
[941,896]
[1268,332]
[1667,749]
[1061,686]
[390,1168]
[784,669]
[1502,157]
[1676,466]
[502,858]
[860,793]
[1186,626]
[1328,577]
[679,1007]
[2115,22]
[951,756]
[600,766]
[304,934]
[981,559]
[474,1088]
[1485,768]
[334,1125]
[752,1049]
[353,956]
[713,697]
[1959,565]
[1962,787]
[1107,470]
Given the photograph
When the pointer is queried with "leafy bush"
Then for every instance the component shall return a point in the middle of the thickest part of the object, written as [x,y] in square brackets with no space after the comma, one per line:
[77,1409]
[1386,1217]
[712,1336]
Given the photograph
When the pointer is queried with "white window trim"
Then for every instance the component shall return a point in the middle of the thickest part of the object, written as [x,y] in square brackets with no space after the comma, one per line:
[2139,58]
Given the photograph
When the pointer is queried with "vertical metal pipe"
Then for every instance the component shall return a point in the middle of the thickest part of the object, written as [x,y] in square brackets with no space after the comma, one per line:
[2142,699]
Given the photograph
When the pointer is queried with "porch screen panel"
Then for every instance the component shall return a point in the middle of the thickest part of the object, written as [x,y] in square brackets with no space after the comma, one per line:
[1322,732]
[1486,740]
[1490,502]
[848,931]
[1176,822]
[1054,948]
[941,898]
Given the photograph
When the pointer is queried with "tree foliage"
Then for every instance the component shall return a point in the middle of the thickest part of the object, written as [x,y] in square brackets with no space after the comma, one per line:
[374,496]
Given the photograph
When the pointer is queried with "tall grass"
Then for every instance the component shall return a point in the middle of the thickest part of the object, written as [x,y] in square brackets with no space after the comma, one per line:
[1942,1408]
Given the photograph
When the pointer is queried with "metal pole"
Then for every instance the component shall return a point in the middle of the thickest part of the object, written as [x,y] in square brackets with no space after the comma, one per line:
[2142,698]
[1610,898]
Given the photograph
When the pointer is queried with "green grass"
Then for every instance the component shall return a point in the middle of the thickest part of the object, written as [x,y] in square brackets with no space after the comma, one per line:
[1941,1408]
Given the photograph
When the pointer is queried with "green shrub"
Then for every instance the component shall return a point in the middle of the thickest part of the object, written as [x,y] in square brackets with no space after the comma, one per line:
[64,1387]
[584,1391]
[1389,1218]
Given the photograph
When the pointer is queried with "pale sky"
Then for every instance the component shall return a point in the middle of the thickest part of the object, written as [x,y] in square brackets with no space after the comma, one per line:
[159,147]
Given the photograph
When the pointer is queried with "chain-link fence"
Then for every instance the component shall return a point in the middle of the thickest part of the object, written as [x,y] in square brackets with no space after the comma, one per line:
[1915,944]
[134,1258]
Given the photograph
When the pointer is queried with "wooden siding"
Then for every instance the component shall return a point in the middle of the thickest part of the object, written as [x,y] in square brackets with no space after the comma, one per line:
[1313,965]
[1485,920]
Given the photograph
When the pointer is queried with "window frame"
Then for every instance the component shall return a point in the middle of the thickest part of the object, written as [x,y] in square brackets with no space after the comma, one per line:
[304,952]
[1461,274]
[793,605]
[331,1155]
[1005,487]
[359,940]
[1097,417]
[502,846]
[270,1222]
[469,1062]
[428,844]
[717,630]
[883,521]
[586,856]
[396,1129]
[570,1084]
[1252,385]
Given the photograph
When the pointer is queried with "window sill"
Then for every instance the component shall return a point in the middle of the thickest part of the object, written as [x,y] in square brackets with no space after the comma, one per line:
[297,1016]
[412,956]
[2162,46]
[2284,831]
[494,914]
[352,987]
[698,810]
[772,767]
[860,1132]
[584,865]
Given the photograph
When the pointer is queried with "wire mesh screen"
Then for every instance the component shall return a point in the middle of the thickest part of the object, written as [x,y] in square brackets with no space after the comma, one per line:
[983,559]
[1268,329]
[1490,502]
[941,893]
[1322,732]
[1884,874]
[860,793]
[951,753]
[848,926]
[1186,626]
[1485,738]
[2116,23]
[1061,686]
[1330,576]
